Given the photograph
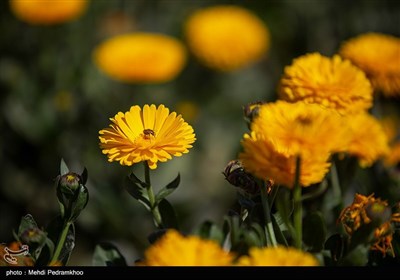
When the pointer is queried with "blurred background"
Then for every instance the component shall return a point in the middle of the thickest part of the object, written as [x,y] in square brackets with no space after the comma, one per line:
[54,101]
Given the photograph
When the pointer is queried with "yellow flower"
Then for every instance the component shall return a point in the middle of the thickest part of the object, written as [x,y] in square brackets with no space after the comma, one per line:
[391,128]
[188,109]
[393,157]
[279,256]
[379,56]
[370,144]
[141,57]
[47,12]
[331,82]
[282,131]
[226,37]
[362,211]
[173,249]
[152,135]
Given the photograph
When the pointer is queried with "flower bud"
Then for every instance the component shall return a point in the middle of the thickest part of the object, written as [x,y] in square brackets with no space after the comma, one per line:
[33,235]
[378,212]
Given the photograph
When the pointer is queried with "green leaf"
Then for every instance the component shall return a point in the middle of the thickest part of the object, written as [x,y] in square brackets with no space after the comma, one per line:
[314,231]
[279,227]
[285,205]
[168,214]
[137,181]
[209,230]
[256,228]
[63,167]
[356,257]
[106,254]
[337,246]
[253,239]
[138,192]
[168,189]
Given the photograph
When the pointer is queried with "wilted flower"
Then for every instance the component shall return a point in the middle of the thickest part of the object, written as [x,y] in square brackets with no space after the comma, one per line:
[152,134]
[227,37]
[173,249]
[363,211]
[283,131]
[332,82]
[141,57]
[378,55]
[277,256]
[47,12]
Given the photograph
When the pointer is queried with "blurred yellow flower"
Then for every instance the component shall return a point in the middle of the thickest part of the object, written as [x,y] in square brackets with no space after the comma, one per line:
[391,128]
[226,37]
[47,12]
[152,134]
[141,57]
[278,256]
[282,131]
[173,249]
[188,109]
[393,157]
[379,56]
[367,139]
[332,82]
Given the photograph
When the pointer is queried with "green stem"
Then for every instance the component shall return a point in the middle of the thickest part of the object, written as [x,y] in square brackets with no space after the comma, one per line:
[61,241]
[150,193]
[272,196]
[269,229]
[297,211]
[337,191]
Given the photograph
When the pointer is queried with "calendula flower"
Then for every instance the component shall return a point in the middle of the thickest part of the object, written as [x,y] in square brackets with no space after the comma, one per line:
[277,256]
[226,37]
[364,210]
[173,249]
[141,57]
[393,157]
[368,145]
[391,127]
[47,12]
[378,55]
[332,82]
[152,134]
[282,132]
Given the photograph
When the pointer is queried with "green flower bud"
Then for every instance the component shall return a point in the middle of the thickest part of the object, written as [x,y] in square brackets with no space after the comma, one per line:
[378,212]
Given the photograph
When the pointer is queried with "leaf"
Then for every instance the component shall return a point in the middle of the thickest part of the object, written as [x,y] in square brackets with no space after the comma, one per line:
[84,176]
[137,181]
[209,230]
[285,205]
[279,227]
[168,189]
[168,214]
[337,245]
[137,192]
[63,168]
[357,257]
[314,231]
[106,254]
[260,233]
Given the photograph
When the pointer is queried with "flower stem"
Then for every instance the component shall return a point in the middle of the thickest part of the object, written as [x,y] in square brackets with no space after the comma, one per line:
[297,211]
[61,241]
[269,229]
[150,193]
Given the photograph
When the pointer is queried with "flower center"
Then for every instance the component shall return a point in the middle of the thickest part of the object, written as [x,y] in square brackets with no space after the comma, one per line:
[304,120]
